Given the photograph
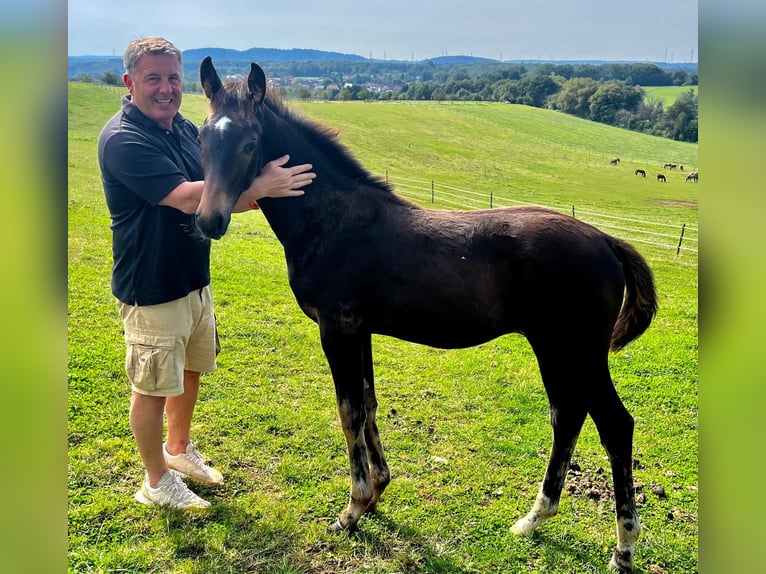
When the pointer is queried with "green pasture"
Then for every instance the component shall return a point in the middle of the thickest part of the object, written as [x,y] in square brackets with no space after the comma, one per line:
[668,94]
[466,432]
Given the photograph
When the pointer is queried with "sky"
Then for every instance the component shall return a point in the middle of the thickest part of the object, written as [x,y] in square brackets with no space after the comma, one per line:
[650,30]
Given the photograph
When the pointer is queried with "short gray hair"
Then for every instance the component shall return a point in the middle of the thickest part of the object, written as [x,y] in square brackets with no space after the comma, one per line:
[154,45]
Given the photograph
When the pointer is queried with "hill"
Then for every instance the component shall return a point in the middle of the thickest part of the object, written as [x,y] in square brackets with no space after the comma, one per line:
[458,59]
[270,55]
[98,64]
[516,152]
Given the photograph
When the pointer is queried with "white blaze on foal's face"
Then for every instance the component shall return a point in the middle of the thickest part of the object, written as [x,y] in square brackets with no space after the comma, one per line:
[222,124]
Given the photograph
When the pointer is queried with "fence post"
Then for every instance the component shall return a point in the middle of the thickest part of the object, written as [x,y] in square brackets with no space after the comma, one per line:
[432,191]
[490,199]
[680,239]
[386,176]
[573,213]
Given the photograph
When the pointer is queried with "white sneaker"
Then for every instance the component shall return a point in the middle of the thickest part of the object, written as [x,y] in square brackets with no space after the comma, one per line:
[171,491]
[191,464]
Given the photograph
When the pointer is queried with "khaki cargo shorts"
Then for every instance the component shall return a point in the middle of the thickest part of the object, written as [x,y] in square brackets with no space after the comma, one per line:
[163,340]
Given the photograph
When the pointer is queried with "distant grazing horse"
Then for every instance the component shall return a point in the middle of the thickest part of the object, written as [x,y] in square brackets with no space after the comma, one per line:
[661,177]
[670,166]
[641,172]
[615,161]
[362,260]
[693,176]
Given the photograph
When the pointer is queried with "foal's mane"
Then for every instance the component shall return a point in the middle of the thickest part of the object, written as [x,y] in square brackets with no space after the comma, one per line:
[326,139]
[235,98]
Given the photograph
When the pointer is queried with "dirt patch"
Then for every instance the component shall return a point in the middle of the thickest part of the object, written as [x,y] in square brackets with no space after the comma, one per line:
[596,484]
[676,203]
[593,484]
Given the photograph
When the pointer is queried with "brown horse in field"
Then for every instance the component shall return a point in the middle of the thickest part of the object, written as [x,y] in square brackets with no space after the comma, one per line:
[661,177]
[362,260]
[641,172]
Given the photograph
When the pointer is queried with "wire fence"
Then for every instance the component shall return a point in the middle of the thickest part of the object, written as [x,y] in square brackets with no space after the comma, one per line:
[670,237]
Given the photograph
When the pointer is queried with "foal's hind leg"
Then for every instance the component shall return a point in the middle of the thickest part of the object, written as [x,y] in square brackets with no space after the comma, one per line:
[615,427]
[567,417]
[379,473]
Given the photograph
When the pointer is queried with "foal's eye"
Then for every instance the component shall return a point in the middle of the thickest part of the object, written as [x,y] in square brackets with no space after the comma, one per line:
[250,147]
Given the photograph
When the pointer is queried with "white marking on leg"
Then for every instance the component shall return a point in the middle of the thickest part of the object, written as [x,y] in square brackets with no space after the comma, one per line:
[542,510]
[222,124]
[628,532]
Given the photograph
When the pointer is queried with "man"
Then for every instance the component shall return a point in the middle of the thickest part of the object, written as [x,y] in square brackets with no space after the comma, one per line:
[151,169]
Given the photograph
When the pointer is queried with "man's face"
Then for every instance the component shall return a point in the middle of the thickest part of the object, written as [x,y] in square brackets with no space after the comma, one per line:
[156,87]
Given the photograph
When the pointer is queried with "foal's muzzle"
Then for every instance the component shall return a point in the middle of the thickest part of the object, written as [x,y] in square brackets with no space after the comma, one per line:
[213,225]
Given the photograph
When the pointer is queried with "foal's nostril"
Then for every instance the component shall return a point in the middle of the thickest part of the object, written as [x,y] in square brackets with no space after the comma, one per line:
[213,226]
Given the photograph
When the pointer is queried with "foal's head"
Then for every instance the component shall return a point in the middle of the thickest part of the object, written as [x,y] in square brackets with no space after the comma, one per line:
[231,143]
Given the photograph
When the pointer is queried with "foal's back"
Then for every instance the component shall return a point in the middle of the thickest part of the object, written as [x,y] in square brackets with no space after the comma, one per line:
[458,278]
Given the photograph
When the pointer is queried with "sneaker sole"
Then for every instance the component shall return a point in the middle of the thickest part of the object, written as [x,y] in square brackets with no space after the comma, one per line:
[193,478]
[139,497]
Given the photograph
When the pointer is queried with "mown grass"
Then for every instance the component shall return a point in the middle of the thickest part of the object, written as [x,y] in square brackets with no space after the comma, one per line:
[466,432]
[668,94]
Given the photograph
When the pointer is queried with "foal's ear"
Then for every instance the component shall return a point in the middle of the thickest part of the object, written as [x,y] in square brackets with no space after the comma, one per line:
[209,79]
[256,83]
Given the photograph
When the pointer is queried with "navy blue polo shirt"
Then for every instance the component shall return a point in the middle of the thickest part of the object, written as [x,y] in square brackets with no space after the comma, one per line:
[156,256]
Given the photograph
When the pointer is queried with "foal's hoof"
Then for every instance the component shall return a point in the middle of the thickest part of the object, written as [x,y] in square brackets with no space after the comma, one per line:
[523,527]
[338,527]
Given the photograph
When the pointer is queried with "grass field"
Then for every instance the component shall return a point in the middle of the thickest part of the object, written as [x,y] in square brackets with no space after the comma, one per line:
[668,94]
[466,432]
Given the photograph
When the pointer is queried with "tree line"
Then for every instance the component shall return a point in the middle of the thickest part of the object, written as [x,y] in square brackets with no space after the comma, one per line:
[609,93]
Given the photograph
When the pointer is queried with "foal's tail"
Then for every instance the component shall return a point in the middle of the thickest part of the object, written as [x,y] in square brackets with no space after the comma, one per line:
[640,305]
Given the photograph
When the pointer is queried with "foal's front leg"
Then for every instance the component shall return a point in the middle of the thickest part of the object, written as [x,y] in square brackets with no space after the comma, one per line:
[379,472]
[345,356]
[352,418]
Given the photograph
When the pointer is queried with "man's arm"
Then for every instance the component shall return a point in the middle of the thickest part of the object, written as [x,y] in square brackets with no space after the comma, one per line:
[273,181]
[185,197]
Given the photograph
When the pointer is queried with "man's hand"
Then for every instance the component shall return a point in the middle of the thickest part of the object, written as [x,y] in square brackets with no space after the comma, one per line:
[277,181]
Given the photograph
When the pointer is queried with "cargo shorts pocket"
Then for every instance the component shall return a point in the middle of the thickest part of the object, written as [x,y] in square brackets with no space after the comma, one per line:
[151,363]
